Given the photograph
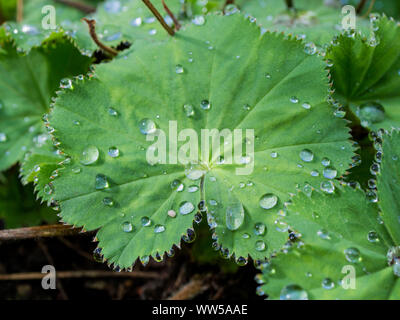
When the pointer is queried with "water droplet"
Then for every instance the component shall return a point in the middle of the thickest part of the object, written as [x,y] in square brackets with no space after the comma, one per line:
[3,137]
[152,32]
[371,112]
[306,105]
[112,112]
[352,255]
[194,171]
[186,207]
[329,172]
[268,201]
[323,234]
[48,189]
[136,22]
[144,260]
[113,152]
[274,154]
[145,221]
[310,48]
[234,216]
[260,245]
[127,226]
[327,186]
[147,126]
[306,155]
[325,162]
[177,185]
[205,105]
[268,76]
[66,83]
[179,69]
[259,229]
[108,202]
[189,110]
[158,228]
[373,236]
[245,236]
[101,182]
[193,188]
[112,6]
[90,155]
[293,292]
[198,20]
[294,99]
[328,284]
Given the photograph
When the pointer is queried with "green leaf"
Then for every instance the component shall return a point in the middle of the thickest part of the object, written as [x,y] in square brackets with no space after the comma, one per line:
[339,230]
[313,20]
[18,207]
[40,167]
[245,78]
[388,183]
[366,74]
[27,82]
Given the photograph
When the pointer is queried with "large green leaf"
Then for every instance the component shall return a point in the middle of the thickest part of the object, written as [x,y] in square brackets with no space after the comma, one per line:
[228,77]
[27,82]
[366,74]
[339,230]
[313,20]
[388,183]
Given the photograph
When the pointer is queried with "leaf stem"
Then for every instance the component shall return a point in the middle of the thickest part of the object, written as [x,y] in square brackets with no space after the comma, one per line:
[92,30]
[174,19]
[85,8]
[20,10]
[360,6]
[159,17]
[54,230]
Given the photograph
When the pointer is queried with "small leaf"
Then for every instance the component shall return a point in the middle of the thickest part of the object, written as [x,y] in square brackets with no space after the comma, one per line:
[27,82]
[366,74]
[341,234]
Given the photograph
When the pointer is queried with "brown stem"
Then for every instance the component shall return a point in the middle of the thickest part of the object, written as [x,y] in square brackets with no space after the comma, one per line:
[92,30]
[20,10]
[159,17]
[40,231]
[174,19]
[85,8]
[192,289]
[81,274]
[360,6]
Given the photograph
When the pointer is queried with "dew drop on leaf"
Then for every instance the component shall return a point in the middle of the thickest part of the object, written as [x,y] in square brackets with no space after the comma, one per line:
[259,229]
[3,137]
[179,69]
[294,99]
[171,213]
[189,110]
[328,284]
[310,48]
[306,105]
[108,202]
[186,207]
[112,112]
[136,22]
[274,154]
[145,221]
[327,186]
[260,245]
[205,105]
[268,201]
[371,112]
[293,292]
[113,152]
[127,226]
[198,20]
[329,172]
[90,155]
[325,162]
[177,185]
[306,155]
[101,182]
[159,228]
[147,126]
[234,216]
[352,255]
[373,236]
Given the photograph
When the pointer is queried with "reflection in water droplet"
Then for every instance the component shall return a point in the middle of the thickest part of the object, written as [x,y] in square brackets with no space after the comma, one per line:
[205,105]
[294,99]
[352,255]
[327,186]
[310,48]
[147,126]
[325,162]
[234,216]
[127,226]
[260,245]
[179,69]
[328,284]
[101,182]
[171,213]
[189,110]
[198,20]
[329,172]
[293,292]
[112,112]
[259,229]
[177,185]
[268,201]
[136,22]
[90,155]
[108,202]
[3,137]
[158,228]
[186,207]
[145,221]
[370,112]
[113,152]
[306,105]
[373,236]
[306,155]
